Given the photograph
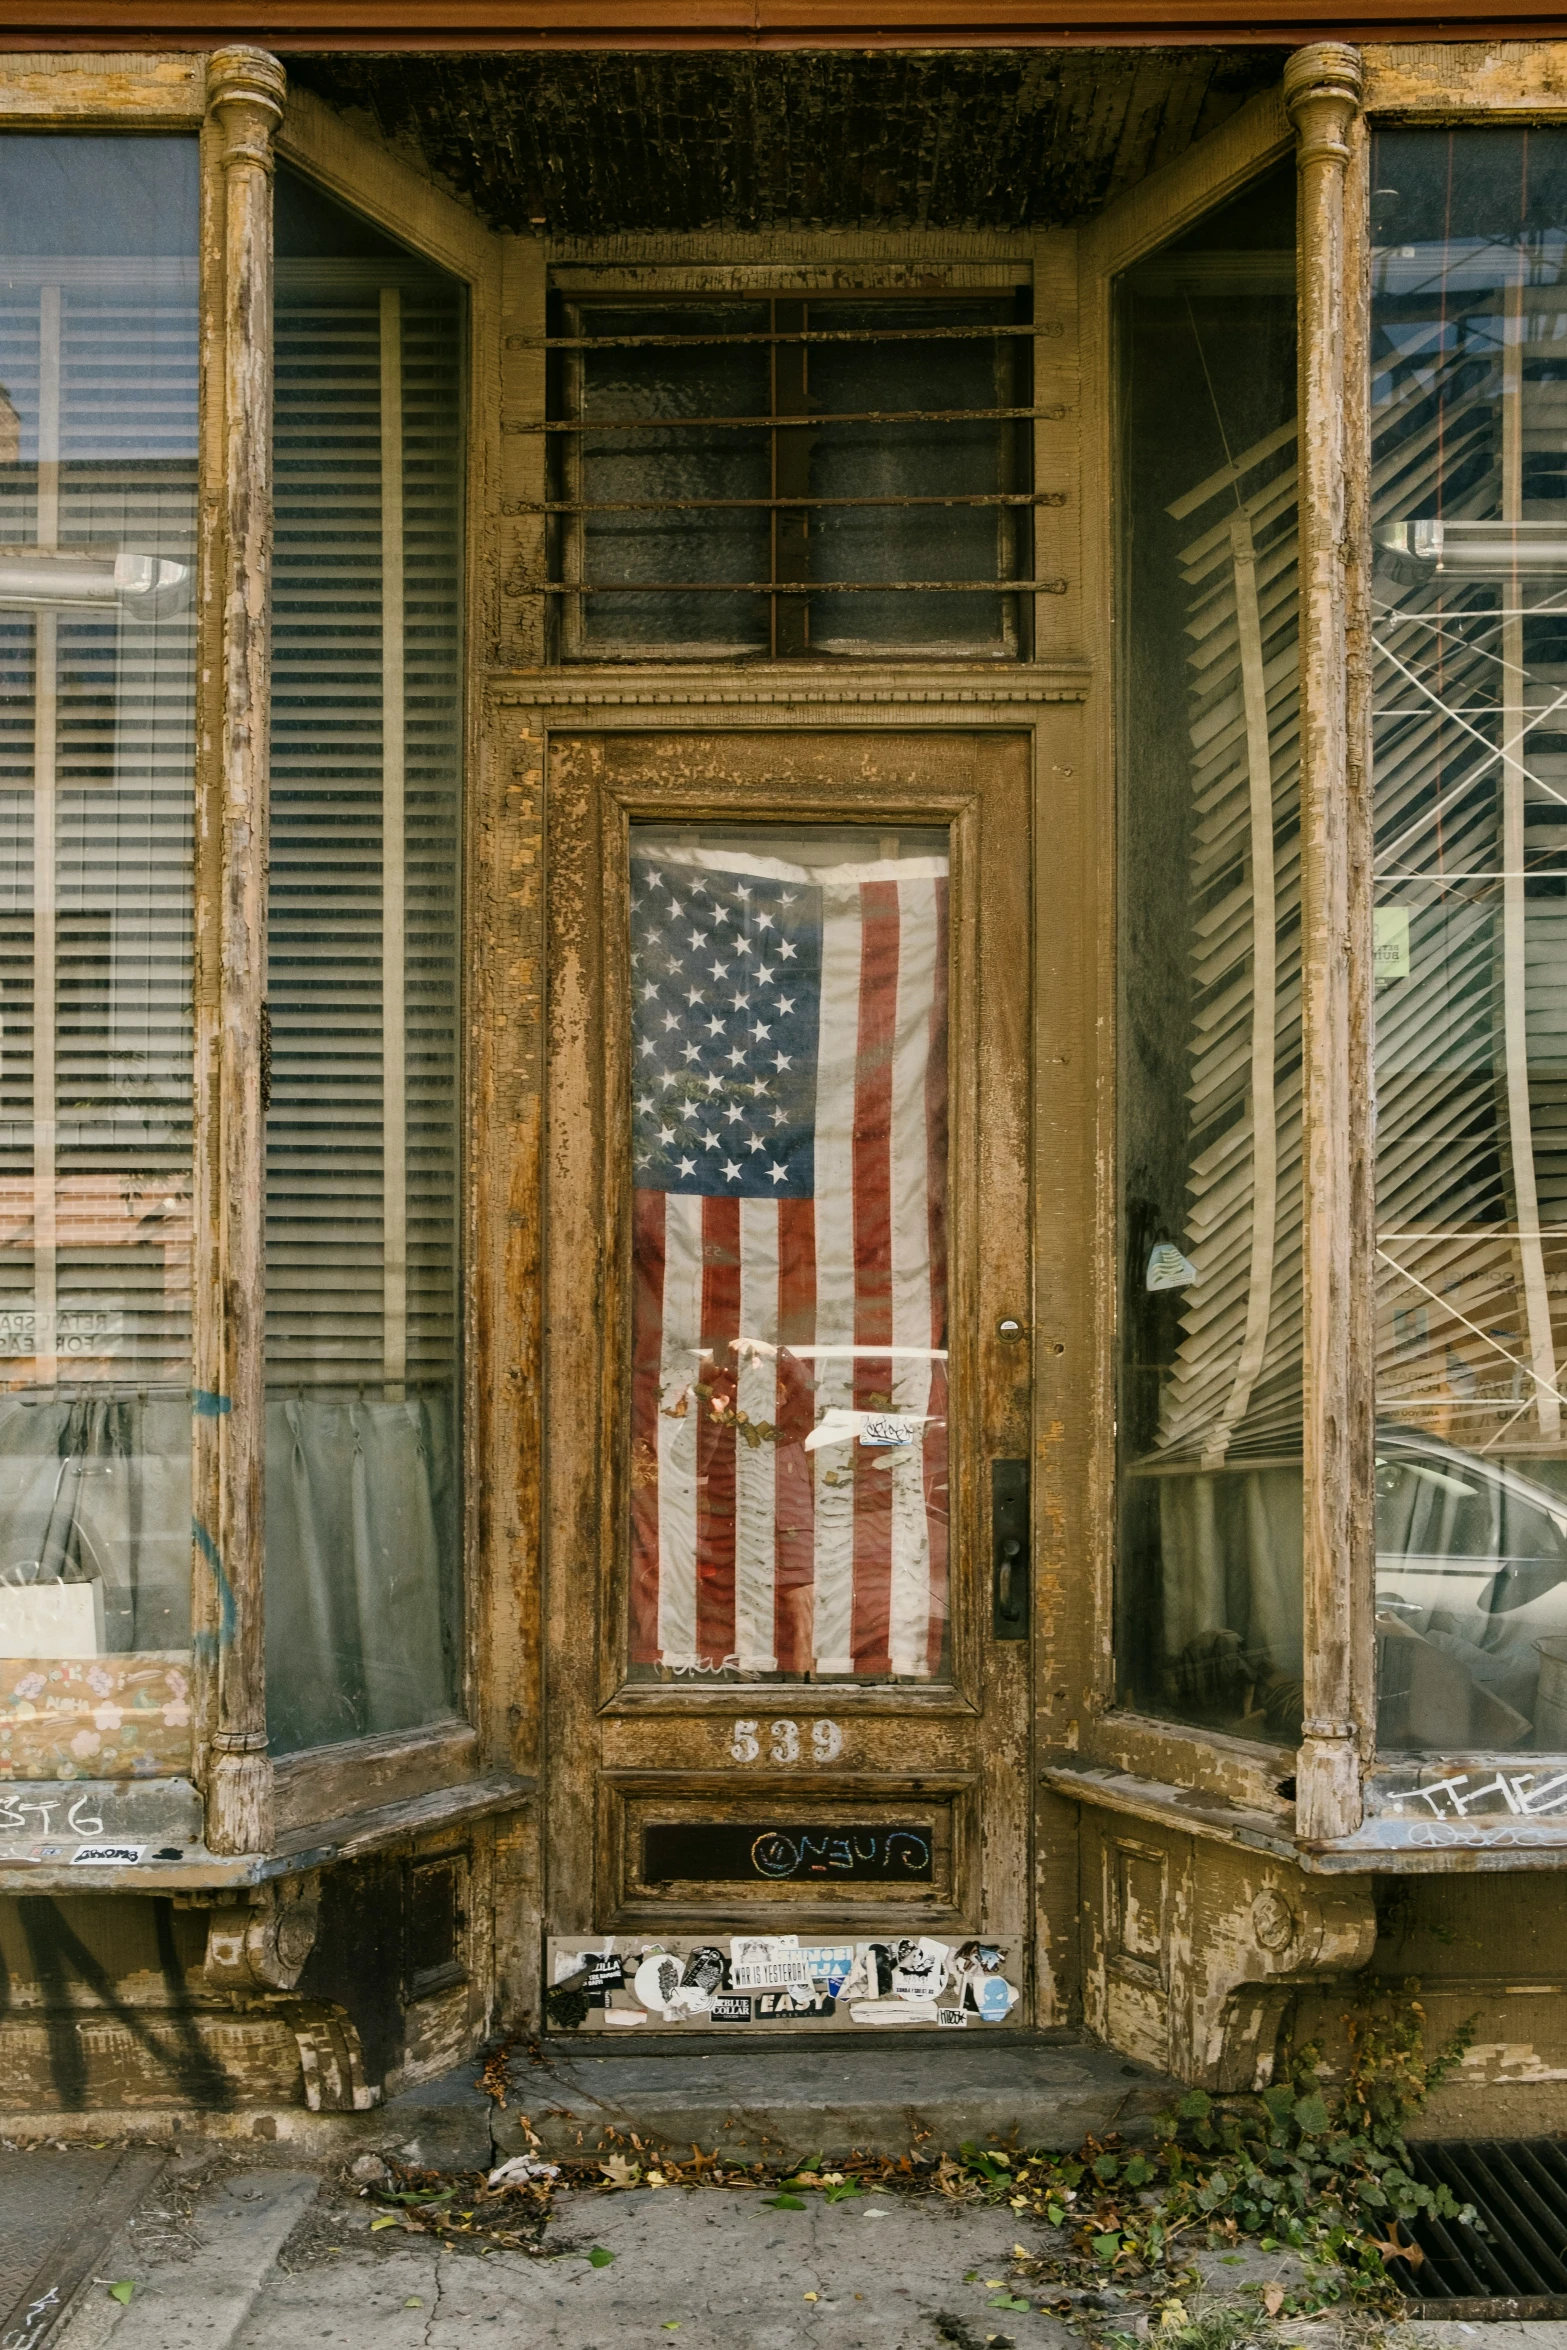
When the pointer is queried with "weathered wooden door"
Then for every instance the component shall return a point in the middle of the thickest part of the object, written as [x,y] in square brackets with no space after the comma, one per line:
[787,1395]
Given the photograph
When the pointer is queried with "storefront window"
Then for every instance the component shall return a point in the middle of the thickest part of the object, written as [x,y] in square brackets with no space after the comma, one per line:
[98,445]
[788,1050]
[1209,1594]
[1469,420]
[362,1131]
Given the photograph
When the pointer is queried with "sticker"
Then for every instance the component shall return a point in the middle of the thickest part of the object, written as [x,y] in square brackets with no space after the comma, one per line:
[727,2009]
[770,1962]
[919,1968]
[993,1998]
[706,1971]
[880,1429]
[107,1856]
[1168,1269]
[624,2015]
[1392,943]
[605,1973]
[953,2018]
[973,1964]
[860,1981]
[831,1964]
[794,2007]
[894,2011]
[658,1982]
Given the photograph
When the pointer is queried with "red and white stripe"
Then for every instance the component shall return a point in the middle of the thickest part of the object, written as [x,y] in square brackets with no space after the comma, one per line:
[759,1556]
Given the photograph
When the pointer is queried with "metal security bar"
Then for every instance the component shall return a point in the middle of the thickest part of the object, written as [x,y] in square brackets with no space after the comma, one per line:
[795,517]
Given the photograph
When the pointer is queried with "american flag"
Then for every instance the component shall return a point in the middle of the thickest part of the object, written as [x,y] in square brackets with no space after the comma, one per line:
[789,1374]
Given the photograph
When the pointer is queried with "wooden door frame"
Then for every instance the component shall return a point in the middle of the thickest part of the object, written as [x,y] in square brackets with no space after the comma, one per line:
[525,714]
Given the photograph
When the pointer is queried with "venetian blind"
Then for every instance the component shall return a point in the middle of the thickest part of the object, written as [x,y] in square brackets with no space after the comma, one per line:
[361,1135]
[98,360]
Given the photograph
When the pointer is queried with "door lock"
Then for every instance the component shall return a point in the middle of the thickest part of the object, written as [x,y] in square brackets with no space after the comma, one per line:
[1009,1533]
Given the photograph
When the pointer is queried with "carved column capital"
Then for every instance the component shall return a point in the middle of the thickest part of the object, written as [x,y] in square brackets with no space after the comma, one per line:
[1323,88]
[245,91]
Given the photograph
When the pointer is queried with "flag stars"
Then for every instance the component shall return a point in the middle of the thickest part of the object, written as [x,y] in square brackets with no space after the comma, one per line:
[732,1170]
[715,1026]
[719,970]
[666,1134]
[785,951]
[649,992]
[709,1140]
[733,1112]
[688,1166]
[690,1053]
[764,975]
[783,1005]
[775,1173]
[698,940]
[761,1031]
[737,1056]
[764,921]
[695,997]
[783,1061]
[712,1082]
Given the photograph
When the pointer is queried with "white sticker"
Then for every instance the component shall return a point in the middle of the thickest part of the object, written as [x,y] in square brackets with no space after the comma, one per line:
[658,1982]
[953,2017]
[1168,1269]
[786,1970]
[1392,942]
[878,1429]
[107,1856]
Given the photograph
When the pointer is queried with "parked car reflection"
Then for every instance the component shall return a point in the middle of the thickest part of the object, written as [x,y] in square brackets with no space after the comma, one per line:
[1471,1601]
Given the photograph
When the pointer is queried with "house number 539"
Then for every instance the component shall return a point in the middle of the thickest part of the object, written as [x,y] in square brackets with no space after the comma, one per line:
[790,1742]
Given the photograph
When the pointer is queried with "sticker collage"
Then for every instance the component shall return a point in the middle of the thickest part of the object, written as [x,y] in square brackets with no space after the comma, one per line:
[620,1982]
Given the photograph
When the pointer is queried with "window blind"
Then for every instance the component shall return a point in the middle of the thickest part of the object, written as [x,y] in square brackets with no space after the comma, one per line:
[362,1132]
[361,1137]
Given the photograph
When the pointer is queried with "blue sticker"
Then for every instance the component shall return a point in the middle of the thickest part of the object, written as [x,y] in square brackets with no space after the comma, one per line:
[994,1998]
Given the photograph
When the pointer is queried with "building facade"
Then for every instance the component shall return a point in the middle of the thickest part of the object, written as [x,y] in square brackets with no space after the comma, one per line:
[783,1043]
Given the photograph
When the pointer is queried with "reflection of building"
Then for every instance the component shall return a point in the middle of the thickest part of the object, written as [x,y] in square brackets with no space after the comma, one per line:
[562,1276]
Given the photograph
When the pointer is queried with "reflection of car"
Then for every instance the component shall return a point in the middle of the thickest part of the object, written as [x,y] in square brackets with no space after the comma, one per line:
[1471,1575]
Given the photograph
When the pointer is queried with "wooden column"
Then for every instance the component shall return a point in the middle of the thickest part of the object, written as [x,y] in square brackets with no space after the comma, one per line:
[245,89]
[1322,91]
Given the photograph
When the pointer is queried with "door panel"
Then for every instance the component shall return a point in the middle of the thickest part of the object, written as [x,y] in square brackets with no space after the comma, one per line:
[778,1375]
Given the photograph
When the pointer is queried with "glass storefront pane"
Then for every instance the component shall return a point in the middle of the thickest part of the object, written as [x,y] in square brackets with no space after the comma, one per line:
[363,1587]
[1469,423]
[98,449]
[1209,1581]
[788,1137]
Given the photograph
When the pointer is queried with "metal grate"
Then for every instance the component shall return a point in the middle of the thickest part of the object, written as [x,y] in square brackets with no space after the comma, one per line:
[1515,2264]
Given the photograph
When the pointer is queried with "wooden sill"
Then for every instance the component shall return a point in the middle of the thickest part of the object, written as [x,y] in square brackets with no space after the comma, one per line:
[329,1782]
[316,1846]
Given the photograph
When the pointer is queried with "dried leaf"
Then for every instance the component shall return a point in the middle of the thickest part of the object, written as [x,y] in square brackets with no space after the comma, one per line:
[1273,2299]
[387,2220]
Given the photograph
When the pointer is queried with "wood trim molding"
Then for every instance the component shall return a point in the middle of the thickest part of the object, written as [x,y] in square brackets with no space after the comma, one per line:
[245,89]
[750,24]
[1322,90]
[157,90]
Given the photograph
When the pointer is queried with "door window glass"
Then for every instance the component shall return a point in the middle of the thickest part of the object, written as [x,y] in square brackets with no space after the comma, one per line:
[1469,422]
[788,1138]
[98,446]
[362,1153]
[678,473]
[1209,1595]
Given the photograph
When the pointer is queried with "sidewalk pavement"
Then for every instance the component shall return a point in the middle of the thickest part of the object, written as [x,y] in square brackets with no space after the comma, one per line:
[260,2258]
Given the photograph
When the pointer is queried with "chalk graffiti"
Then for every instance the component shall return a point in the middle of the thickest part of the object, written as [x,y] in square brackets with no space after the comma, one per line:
[1456,1798]
[901,1851]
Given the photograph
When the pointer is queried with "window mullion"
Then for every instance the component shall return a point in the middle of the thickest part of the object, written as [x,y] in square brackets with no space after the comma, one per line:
[1322,90]
[245,89]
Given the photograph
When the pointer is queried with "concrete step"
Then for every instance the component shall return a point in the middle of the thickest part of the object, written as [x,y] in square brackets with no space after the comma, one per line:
[785,2102]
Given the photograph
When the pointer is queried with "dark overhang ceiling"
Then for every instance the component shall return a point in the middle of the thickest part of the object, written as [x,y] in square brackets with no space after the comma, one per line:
[597,142]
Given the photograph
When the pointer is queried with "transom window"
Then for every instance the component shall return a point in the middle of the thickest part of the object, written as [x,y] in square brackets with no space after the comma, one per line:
[777,477]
